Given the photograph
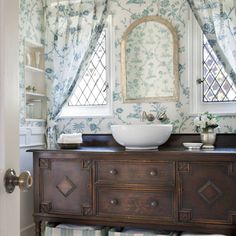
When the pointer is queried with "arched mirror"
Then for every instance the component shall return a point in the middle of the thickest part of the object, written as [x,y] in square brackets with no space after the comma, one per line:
[149,61]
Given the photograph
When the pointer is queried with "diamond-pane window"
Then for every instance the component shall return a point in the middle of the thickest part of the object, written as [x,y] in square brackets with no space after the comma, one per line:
[92,87]
[217,85]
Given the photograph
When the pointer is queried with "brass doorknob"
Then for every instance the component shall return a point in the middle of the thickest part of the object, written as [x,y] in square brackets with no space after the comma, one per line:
[24,181]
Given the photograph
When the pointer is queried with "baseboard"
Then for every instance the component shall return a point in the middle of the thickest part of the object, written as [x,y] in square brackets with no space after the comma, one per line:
[27,231]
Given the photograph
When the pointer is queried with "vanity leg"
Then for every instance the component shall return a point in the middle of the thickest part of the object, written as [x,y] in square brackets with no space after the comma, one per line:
[37,228]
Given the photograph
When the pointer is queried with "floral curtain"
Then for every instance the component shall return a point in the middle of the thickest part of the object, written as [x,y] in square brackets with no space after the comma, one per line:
[217,19]
[72,30]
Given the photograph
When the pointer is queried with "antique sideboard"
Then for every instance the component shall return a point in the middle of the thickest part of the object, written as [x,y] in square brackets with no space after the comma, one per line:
[168,189]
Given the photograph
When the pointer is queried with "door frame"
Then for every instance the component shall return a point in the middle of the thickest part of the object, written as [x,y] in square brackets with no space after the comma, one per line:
[9,113]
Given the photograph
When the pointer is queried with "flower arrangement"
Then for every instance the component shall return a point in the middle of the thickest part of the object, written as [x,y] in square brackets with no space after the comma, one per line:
[205,122]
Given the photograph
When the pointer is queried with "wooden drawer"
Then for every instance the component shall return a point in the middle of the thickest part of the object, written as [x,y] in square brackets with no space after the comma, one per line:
[136,203]
[130,172]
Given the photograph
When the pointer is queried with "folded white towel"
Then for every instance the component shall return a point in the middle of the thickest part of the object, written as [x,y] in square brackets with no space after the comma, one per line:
[70,138]
[139,232]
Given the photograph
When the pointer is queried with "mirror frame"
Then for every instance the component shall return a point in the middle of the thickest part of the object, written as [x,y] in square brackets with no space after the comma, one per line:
[169,26]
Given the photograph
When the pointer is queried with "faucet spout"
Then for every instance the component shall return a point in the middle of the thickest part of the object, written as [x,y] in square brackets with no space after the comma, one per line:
[162,116]
[149,117]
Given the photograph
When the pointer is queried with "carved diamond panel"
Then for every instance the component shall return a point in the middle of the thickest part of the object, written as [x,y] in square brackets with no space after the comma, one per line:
[66,186]
[210,192]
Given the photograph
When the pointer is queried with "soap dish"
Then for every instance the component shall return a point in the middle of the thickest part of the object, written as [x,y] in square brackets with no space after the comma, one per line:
[193,145]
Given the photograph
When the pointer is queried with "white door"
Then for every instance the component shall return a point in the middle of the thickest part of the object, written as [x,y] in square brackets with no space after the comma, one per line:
[9,115]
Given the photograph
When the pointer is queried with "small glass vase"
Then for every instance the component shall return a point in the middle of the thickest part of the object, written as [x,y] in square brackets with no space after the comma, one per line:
[208,138]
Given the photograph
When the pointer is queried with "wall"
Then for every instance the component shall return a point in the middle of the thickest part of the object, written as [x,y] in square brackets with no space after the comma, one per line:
[29,138]
[31,27]
[124,13]
[31,23]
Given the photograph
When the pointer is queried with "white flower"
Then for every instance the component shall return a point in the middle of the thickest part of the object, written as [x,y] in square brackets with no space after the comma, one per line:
[203,124]
[196,121]
[205,121]
[204,118]
[213,121]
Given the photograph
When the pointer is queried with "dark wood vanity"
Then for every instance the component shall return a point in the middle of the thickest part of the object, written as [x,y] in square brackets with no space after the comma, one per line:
[167,189]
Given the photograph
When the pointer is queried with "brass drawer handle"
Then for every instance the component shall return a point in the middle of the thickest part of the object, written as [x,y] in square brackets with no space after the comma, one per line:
[113,172]
[114,202]
[153,173]
[154,203]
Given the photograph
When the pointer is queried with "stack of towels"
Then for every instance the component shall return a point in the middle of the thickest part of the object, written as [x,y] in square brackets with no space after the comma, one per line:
[139,232]
[193,234]
[75,230]
[70,138]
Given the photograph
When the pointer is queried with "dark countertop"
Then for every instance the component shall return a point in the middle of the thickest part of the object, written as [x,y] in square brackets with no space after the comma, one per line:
[122,149]
[104,143]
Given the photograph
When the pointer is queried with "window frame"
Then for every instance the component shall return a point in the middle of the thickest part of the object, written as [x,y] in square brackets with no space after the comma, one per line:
[97,110]
[195,71]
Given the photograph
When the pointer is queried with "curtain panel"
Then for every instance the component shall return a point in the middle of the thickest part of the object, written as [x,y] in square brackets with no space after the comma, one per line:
[217,19]
[72,30]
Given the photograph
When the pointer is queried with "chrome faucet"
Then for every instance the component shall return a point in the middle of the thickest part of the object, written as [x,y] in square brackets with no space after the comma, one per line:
[162,116]
[150,117]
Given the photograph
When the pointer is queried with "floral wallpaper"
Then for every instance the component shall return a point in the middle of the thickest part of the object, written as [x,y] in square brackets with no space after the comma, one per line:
[31,27]
[125,12]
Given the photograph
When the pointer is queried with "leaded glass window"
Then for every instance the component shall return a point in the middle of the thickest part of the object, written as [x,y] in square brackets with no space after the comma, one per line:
[217,85]
[92,87]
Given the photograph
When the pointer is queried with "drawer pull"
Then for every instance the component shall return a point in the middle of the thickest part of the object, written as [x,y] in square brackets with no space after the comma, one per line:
[113,172]
[114,202]
[153,173]
[154,203]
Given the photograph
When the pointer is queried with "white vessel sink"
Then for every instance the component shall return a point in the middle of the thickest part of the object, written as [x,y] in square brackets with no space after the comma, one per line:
[141,136]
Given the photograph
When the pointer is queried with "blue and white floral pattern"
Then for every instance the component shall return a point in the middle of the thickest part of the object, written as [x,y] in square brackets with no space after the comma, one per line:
[217,19]
[72,30]
[31,27]
[124,13]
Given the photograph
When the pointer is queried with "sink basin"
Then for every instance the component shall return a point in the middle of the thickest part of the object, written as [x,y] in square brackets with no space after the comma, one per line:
[141,136]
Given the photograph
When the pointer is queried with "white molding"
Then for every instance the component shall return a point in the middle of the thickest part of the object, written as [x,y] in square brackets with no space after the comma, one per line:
[194,66]
[33,145]
[32,137]
[110,61]
[9,113]
[31,43]
[27,228]
[32,130]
